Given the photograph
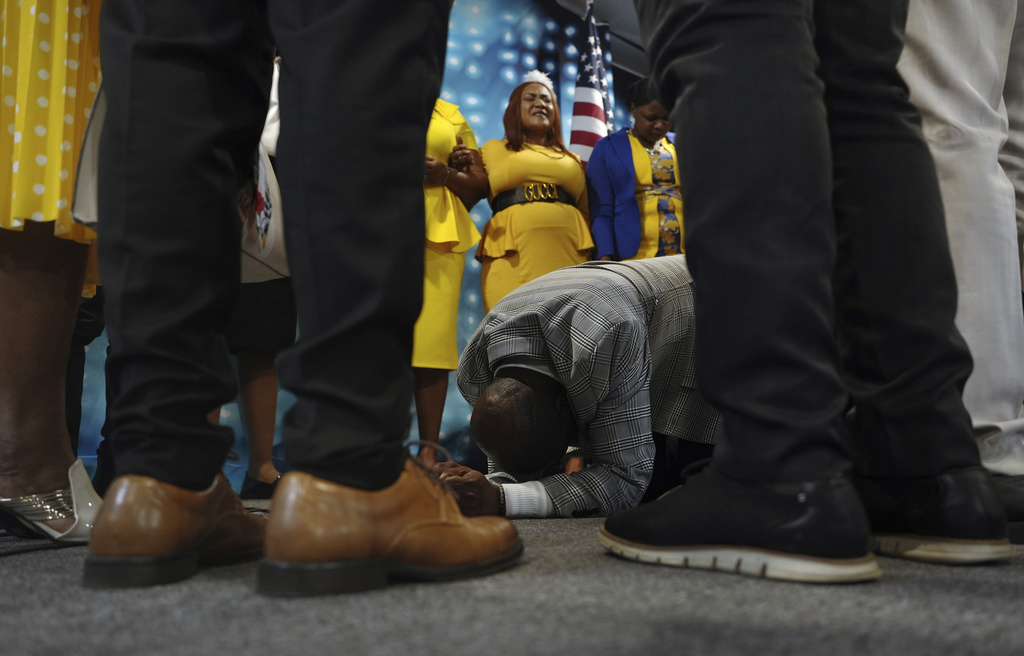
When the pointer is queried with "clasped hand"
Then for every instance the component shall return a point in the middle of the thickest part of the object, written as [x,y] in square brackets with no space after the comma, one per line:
[477,495]
[436,171]
[462,157]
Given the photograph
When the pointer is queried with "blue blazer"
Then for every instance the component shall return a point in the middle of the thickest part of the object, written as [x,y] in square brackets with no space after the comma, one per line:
[611,184]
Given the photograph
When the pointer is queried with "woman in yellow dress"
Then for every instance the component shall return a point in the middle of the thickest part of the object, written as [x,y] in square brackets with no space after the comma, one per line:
[453,182]
[635,200]
[49,72]
[538,194]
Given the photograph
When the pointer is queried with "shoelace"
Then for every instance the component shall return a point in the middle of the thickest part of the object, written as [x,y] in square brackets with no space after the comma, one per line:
[433,445]
[431,474]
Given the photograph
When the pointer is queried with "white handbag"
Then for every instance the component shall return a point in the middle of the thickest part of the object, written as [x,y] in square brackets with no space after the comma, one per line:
[263,252]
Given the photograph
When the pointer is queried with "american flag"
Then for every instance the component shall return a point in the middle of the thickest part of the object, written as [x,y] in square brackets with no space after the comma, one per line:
[592,116]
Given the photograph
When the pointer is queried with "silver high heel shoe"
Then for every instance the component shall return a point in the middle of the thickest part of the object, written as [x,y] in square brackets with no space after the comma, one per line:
[79,501]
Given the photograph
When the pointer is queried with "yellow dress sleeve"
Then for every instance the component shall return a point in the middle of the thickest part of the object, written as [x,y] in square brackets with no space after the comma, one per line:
[448,223]
[466,132]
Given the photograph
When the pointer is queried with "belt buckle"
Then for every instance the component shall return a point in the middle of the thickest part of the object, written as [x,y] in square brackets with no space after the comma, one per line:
[544,191]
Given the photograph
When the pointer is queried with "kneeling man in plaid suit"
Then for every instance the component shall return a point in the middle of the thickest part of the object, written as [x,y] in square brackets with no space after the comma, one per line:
[595,359]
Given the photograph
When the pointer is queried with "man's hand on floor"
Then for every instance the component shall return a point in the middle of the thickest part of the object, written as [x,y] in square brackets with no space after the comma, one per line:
[477,495]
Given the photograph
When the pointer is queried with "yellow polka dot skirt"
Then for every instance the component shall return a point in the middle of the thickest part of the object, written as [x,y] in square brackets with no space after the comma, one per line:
[49,74]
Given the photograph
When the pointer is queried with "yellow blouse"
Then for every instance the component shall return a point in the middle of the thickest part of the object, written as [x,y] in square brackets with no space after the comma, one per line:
[508,170]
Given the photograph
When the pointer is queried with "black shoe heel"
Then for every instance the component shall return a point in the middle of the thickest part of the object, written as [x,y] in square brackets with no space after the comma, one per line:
[313,579]
[138,572]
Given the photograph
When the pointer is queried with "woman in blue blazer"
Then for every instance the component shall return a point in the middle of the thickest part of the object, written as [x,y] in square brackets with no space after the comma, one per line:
[635,201]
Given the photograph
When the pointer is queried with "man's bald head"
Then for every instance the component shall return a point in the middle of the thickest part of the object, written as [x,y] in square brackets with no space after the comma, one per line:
[523,421]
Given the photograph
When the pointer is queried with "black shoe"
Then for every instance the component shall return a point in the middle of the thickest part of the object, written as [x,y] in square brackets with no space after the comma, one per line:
[953,518]
[814,532]
[1010,490]
[254,489]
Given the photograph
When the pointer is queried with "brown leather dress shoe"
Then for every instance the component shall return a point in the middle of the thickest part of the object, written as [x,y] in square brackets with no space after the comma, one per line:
[150,533]
[326,538]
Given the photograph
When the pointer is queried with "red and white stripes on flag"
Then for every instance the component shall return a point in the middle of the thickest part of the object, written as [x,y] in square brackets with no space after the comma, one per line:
[592,116]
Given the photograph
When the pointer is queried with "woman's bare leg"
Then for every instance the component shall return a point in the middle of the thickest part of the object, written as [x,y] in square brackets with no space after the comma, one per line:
[257,378]
[431,389]
[40,288]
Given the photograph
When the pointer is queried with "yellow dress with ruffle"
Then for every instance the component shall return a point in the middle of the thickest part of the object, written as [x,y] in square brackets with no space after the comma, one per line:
[527,240]
[49,74]
[450,233]
[659,198]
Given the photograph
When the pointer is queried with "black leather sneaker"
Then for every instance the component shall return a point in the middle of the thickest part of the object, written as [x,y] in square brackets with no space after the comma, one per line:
[953,518]
[815,531]
[1010,490]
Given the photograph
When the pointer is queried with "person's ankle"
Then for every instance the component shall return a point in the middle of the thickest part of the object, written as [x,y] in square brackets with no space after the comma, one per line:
[20,477]
[265,473]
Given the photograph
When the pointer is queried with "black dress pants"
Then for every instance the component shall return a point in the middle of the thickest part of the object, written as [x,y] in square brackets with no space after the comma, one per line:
[188,83]
[816,238]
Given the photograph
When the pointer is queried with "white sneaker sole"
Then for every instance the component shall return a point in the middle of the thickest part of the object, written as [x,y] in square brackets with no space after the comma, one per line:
[748,561]
[942,550]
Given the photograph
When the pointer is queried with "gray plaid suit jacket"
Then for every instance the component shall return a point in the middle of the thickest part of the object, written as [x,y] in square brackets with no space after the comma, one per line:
[619,337]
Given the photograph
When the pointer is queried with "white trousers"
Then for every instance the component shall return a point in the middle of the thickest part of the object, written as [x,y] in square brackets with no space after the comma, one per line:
[964,65]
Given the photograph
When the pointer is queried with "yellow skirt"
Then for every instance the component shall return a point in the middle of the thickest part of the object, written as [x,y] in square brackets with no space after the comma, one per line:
[434,337]
[501,275]
[51,71]
[525,241]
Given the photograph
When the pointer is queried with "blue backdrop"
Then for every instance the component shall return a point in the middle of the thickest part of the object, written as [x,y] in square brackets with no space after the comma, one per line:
[491,44]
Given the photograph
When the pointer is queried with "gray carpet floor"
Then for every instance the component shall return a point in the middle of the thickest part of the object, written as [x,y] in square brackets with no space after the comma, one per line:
[567,597]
